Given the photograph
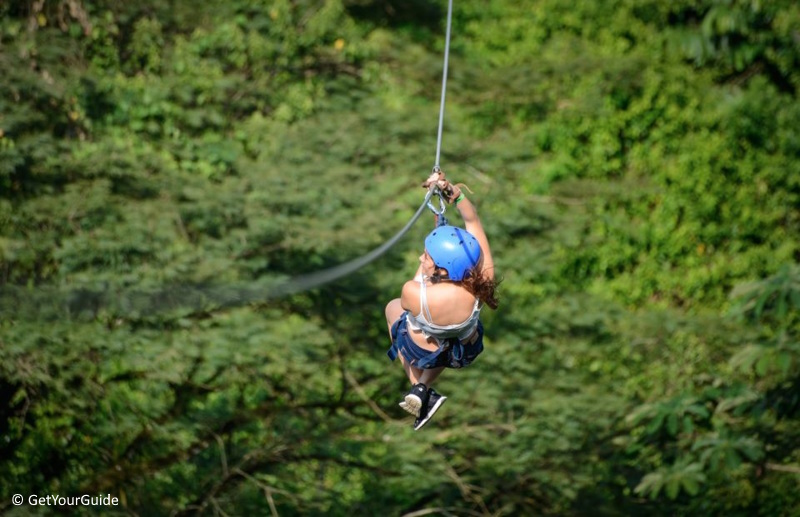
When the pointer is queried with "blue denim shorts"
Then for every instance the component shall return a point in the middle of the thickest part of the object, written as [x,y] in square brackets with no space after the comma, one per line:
[452,354]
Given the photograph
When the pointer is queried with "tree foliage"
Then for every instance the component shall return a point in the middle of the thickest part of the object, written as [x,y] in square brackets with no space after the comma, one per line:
[163,165]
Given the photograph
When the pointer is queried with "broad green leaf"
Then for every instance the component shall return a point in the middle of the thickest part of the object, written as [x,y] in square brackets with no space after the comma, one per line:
[672,487]
[672,424]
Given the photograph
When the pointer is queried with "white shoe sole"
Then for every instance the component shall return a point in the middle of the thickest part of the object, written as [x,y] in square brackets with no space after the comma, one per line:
[412,404]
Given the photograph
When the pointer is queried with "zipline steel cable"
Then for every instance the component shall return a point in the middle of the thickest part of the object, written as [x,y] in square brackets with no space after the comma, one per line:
[444,84]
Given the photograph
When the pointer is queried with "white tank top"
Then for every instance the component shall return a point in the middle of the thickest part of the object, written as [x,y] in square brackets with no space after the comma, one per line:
[422,321]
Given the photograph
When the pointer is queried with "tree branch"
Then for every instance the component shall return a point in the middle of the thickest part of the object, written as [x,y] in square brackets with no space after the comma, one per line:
[793,469]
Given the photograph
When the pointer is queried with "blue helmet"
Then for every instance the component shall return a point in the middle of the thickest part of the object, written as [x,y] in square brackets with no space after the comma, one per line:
[453,249]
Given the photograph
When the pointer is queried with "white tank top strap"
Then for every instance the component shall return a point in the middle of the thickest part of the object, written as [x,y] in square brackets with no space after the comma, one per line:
[423,301]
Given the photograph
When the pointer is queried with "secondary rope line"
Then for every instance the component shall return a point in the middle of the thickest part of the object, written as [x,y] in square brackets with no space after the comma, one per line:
[444,83]
[79,302]
[312,280]
[51,303]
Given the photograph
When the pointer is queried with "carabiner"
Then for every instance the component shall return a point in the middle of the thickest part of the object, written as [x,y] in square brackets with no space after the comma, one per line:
[442,206]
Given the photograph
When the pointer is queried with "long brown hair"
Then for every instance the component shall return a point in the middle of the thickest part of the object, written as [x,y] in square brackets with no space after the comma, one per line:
[480,286]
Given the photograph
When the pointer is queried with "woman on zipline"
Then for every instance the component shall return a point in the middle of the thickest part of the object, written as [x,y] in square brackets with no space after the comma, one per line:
[435,323]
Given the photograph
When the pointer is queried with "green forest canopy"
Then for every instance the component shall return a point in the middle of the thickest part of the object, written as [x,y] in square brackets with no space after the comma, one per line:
[164,164]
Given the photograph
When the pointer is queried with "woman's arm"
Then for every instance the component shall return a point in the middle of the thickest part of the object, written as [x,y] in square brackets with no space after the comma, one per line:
[473,224]
[409,296]
[469,213]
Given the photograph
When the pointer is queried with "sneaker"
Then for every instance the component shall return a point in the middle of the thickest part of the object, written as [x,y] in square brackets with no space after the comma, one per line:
[435,401]
[415,399]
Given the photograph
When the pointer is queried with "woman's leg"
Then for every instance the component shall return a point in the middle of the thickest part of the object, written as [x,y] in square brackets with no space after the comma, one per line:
[393,311]
[428,376]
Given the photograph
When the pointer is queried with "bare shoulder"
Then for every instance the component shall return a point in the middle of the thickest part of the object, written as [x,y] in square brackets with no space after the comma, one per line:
[449,294]
[409,297]
[449,303]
